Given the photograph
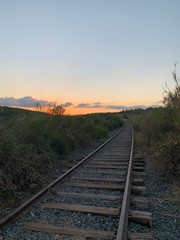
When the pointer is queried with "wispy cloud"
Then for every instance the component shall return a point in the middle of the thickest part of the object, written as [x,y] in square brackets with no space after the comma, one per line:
[83,105]
[121,107]
[88,105]
[113,107]
[118,107]
[97,105]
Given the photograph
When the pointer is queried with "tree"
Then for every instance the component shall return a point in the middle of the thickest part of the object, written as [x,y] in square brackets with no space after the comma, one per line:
[57,110]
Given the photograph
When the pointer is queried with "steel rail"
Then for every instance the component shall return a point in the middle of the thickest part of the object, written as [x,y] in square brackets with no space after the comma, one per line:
[123,221]
[10,217]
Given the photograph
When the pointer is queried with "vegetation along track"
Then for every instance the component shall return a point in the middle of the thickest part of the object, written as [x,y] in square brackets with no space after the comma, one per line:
[90,201]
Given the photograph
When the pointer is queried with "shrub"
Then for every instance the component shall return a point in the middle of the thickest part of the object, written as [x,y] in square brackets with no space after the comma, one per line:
[161,133]
[172,103]
[31,142]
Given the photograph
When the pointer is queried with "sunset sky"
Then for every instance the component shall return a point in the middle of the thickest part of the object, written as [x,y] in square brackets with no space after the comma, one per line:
[89,55]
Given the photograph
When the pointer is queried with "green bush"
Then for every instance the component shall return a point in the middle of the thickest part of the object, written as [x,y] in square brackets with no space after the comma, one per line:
[172,103]
[31,142]
[160,128]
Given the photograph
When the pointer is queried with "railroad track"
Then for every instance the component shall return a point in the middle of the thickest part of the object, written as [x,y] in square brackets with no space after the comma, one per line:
[89,201]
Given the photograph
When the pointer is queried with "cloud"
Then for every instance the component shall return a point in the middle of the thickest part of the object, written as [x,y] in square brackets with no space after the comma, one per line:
[118,107]
[28,102]
[83,105]
[7,101]
[97,105]
[20,102]
[88,105]
[112,107]
[67,104]
[121,107]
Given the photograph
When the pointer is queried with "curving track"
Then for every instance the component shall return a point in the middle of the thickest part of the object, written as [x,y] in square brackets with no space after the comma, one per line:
[90,201]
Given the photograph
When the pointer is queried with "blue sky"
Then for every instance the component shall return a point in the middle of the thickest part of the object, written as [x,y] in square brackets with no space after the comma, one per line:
[110,52]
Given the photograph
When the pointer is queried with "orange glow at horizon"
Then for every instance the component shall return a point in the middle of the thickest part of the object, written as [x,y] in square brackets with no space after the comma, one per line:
[72,110]
[79,111]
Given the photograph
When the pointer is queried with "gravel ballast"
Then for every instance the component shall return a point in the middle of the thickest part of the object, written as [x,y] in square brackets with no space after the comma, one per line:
[164,207]
[63,218]
[165,210]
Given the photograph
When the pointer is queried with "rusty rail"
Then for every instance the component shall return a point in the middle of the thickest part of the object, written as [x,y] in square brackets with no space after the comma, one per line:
[4,221]
[123,222]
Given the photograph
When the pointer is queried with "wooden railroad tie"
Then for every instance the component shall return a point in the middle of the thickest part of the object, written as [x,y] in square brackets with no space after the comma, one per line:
[91,196]
[139,164]
[139,169]
[83,208]
[110,180]
[138,190]
[136,216]
[112,160]
[138,182]
[141,217]
[138,174]
[109,163]
[95,186]
[104,172]
[144,218]
[137,236]
[139,202]
[107,167]
[120,155]
[68,231]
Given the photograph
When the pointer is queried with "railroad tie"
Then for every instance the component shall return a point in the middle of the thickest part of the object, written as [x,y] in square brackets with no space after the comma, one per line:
[83,208]
[95,186]
[68,231]
[137,236]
